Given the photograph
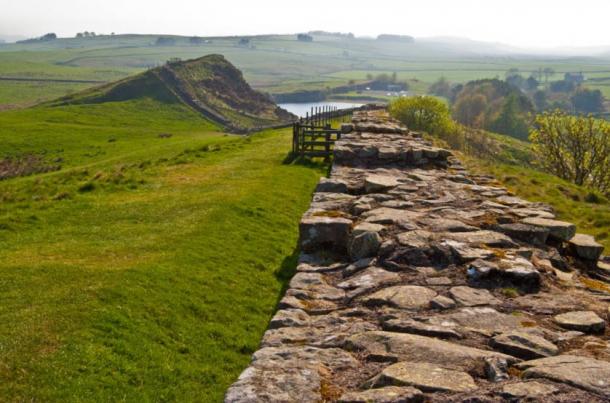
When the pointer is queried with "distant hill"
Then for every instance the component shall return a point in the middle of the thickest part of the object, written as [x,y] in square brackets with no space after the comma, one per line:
[5,38]
[210,85]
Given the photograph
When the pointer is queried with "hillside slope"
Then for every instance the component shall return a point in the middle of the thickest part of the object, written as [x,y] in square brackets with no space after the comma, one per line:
[147,266]
[210,85]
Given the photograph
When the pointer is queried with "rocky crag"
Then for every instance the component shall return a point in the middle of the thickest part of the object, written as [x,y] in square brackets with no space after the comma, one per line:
[210,85]
[420,282]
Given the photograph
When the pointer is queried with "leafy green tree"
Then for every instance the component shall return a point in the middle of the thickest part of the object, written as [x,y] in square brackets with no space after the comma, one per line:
[516,80]
[423,113]
[588,101]
[540,100]
[511,120]
[548,73]
[574,148]
[470,110]
[531,84]
[441,88]
[562,86]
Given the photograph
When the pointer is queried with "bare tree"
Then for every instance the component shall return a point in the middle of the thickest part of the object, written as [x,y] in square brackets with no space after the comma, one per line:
[548,72]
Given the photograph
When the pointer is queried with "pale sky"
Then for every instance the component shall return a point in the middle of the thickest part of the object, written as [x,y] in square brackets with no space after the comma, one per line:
[524,23]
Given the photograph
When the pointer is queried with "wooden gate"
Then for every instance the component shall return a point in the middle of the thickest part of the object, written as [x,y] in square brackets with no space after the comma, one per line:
[314,135]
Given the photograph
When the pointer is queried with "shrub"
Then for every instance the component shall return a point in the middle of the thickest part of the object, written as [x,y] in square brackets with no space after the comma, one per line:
[422,113]
[574,148]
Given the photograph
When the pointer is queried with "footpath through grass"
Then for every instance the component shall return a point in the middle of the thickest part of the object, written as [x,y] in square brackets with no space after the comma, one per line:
[147,268]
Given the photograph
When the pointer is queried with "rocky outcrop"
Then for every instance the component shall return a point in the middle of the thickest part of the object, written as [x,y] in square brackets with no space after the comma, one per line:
[420,282]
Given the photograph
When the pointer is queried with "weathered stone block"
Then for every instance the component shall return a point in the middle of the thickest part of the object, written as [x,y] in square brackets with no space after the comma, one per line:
[324,233]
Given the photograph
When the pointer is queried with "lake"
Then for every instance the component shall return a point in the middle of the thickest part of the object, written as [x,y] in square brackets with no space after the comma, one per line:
[301,109]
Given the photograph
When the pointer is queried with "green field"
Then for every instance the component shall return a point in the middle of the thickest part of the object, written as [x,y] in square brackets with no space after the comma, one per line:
[148,267]
[273,63]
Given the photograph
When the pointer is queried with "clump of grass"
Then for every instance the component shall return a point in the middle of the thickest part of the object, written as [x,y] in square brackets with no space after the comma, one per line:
[86,187]
[593,197]
[510,292]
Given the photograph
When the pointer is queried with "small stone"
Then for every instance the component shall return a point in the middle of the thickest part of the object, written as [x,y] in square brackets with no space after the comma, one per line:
[528,212]
[439,281]
[287,374]
[389,394]
[560,230]
[369,278]
[399,204]
[364,245]
[447,225]
[405,297]
[415,239]
[466,253]
[392,346]
[289,318]
[583,321]
[484,320]
[468,296]
[441,302]
[496,369]
[415,327]
[386,215]
[425,376]
[585,247]
[524,345]
[525,253]
[513,201]
[527,390]
[484,237]
[358,265]
[331,186]
[379,183]
[367,227]
[346,128]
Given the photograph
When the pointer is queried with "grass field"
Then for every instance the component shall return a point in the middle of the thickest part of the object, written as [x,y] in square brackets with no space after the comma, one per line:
[146,268]
[271,63]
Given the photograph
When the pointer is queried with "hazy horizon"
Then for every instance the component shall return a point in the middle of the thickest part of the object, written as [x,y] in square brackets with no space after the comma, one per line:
[522,24]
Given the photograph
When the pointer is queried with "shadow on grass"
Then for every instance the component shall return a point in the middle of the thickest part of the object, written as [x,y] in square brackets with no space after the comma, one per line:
[286,271]
[315,163]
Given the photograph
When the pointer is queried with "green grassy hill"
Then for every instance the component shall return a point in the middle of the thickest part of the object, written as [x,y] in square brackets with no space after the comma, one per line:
[147,267]
[210,85]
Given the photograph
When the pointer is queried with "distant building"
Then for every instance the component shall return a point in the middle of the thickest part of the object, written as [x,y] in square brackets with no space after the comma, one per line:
[305,38]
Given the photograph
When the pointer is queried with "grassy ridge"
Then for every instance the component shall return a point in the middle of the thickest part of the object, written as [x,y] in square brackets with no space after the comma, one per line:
[147,268]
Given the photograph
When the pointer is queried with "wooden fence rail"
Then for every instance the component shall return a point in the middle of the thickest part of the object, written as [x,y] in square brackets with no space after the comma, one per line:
[314,134]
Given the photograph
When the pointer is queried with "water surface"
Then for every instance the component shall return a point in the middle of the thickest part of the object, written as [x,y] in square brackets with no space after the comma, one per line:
[300,109]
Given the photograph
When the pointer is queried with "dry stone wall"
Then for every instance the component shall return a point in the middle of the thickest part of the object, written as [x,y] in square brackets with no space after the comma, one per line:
[420,282]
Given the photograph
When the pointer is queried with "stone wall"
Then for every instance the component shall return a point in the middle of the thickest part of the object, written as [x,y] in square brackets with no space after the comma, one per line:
[418,281]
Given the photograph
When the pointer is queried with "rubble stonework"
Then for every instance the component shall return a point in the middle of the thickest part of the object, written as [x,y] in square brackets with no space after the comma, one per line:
[420,282]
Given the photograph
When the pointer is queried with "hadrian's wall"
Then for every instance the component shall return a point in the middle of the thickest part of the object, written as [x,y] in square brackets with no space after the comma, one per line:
[418,281]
